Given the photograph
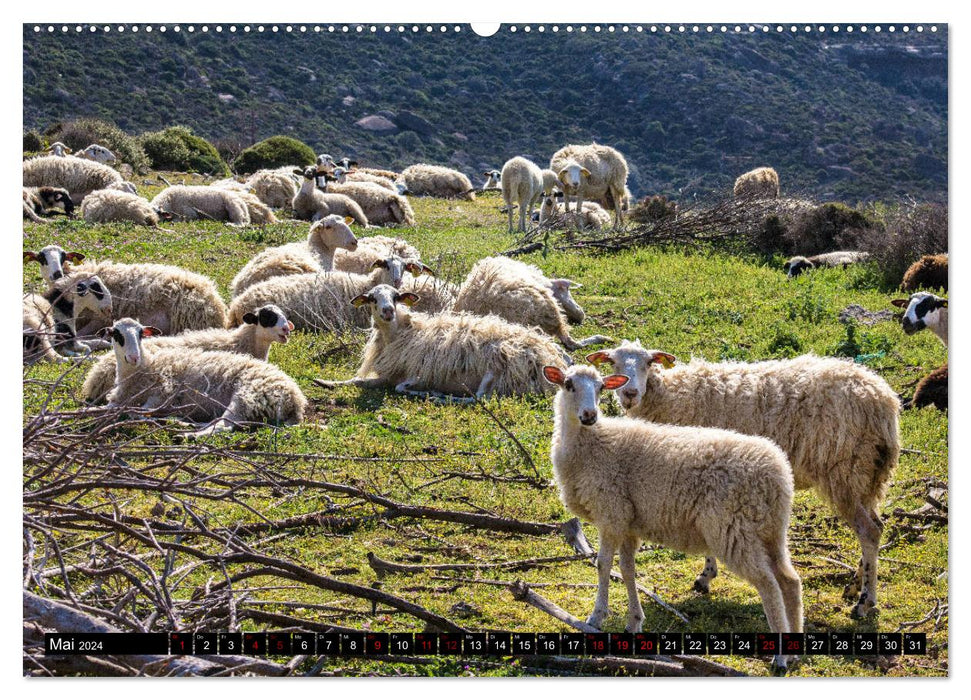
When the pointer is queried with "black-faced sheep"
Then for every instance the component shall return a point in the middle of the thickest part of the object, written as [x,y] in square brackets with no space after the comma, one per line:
[761,183]
[930,272]
[50,320]
[38,201]
[838,258]
[493,178]
[54,262]
[924,310]
[424,180]
[592,172]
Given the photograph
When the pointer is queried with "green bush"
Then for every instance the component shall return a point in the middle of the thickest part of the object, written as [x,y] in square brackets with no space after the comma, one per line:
[821,229]
[177,148]
[32,142]
[910,232]
[274,152]
[81,133]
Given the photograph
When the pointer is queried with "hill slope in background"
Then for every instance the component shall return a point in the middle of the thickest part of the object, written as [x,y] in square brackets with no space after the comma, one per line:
[848,116]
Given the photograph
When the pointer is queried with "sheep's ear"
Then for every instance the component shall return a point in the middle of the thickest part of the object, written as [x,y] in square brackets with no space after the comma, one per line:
[615,381]
[74,257]
[407,298]
[666,360]
[595,358]
[352,164]
[584,172]
[902,303]
[554,375]
[28,256]
[348,220]
[104,333]
[360,300]
[298,171]
[785,268]
[561,176]
[149,331]
[557,194]
[250,317]
[379,263]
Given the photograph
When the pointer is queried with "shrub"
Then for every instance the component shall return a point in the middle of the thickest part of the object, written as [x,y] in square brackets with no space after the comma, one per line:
[653,209]
[910,232]
[177,148]
[274,152]
[32,142]
[824,228]
[81,133]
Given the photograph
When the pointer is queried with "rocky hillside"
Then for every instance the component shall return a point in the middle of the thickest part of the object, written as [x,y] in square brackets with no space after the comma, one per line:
[851,116]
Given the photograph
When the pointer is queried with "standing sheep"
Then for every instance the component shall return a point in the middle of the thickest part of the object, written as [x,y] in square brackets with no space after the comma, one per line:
[924,310]
[223,389]
[592,172]
[311,204]
[39,200]
[797,265]
[78,176]
[930,272]
[102,206]
[191,202]
[424,180]
[757,184]
[837,421]
[522,184]
[697,490]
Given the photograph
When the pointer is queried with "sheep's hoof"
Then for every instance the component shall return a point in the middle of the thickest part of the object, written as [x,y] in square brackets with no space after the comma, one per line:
[702,585]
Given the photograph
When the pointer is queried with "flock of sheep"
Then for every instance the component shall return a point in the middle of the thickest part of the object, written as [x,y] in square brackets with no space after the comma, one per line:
[705,459]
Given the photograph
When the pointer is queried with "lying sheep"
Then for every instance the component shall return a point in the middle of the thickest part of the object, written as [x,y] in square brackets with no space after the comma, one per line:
[511,290]
[319,301]
[97,153]
[591,172]
[836,420]
[39,200]
[759,183]
[343,176]
[222,389]
[38,330]
[372,248]
[51,319]
[316,254]
[434,295]
[78,176]
[424,180]
[522,185]
[275,188]
[59,149]
[381,207]
[607,202]
[697,490]
[103,206]
[839,258]
[932,390]
[447,355]
[53,261]
[591,215]
[259,213]
[924,310]
[192,202]
[261,328]
[311,204]
[493,178]
[930,272]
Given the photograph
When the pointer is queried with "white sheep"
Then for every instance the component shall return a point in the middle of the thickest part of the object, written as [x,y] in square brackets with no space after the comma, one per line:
[102,206]
[97,153]
[758,183]
[592,172]
[424,180]
[696,490]
[78,176]
[924,310]
[591,215]
[192,202]
[54,262]
[519,293]
[434,295]
[316,254]
[224,390]
[447,355]
[54,315]
[259,212]
[311,204]
[261,328]
[343,175]
[39,200]
[276,188]
[837,421]
[838,258]
[493,178]
[381,207]
[522,185]
[372,248]
[59,150]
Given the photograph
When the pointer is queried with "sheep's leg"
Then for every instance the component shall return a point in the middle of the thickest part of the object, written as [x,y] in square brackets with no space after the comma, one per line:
[635,613]
[774,605]
[571,344]
[360,382]
[703,582]
[852,589]
[485,386]
[790,584]
[868,528]
[437,396]
[605,559]
[618,197]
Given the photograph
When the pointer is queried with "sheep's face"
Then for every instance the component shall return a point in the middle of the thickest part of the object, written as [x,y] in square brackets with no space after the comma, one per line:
[572,176]
[382,300]
[635,362]
[91,294]
[59,149]
[561,292]
[52,260]
[57,196]
[796,266]
[493,178]
[126,339]
[98,153]
[394,269]
[334,231]
[271,324]
[125,186]
[324,160]
[580,386]
[922,310]
[340,174]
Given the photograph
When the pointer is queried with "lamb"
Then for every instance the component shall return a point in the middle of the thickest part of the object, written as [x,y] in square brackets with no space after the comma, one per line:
[924,310]
[319,300]
[381,207]
[519,293]
[54,315]
[693,489]
[191,202]
[97,153]
[311,204]
[930,272]
[38,200]
[837,421]
[799,264]
[932,390]
[53,261]
[261,328]
[223,389]
[493,178]
[761,183]
[372,248]
[424,180]
[275,188]
[78,176]
[592,172]
[102,206]
[343,175]
[447,354]
[591,215]
[522,184]
[316,254]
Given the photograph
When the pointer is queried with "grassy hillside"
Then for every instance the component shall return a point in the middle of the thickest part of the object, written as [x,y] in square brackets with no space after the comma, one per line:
[845,116]
[491,459]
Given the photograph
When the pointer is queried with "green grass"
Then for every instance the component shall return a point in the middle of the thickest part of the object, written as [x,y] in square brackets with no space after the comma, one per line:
[687,303]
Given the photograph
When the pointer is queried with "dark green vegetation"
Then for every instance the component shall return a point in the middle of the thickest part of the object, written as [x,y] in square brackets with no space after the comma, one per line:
[459,458]
[177,148]
[274,152]
[845,116]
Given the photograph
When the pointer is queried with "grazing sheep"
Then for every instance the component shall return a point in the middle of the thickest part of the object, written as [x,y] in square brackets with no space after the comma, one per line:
[59,150]
[221,389]
[447,355]
[697,490]
[759,183]
[381,207]
[192,202]
[260,329]
[493,178]
[425,180]
[275,188]
[836,420]
[316,254]
[38,200]
[591,215]
[372,248]
[343,175]
[53,315]
[522,185]
[319,301]
[78,176]
[797,265]
[519,294]
[932,390]
[97,153]
[930,272]
[592,172]
[53,261]
[311,204]
[102,206]
[924,310]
